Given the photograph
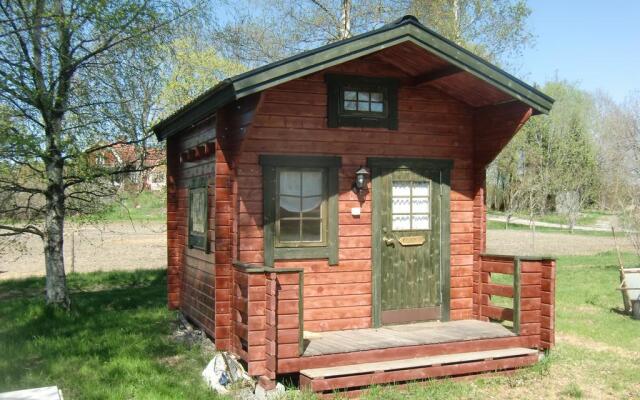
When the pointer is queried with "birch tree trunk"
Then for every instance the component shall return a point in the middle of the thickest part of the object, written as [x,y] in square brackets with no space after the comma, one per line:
[345,19]
[56,283]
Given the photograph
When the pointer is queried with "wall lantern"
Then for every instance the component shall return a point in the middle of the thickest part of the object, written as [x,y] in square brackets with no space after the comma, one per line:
[360,184]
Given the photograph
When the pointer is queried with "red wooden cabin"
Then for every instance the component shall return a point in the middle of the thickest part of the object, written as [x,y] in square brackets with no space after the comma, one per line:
[326,215]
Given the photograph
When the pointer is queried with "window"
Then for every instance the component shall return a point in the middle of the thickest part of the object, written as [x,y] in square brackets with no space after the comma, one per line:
[300,207]
[198,214]
[301,213]
[410,206]
[362,102]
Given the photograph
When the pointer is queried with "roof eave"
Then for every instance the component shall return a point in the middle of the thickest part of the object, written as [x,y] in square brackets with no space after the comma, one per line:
[196,110]
[406,29]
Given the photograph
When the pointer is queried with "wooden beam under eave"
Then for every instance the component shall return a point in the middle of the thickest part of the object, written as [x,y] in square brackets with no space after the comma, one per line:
[435,75]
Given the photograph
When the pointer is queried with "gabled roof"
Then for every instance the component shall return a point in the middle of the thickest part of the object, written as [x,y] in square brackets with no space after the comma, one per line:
[406,29]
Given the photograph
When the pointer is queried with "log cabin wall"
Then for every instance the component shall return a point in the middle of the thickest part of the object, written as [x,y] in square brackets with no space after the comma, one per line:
[291,119]
[190,271]
[233,124]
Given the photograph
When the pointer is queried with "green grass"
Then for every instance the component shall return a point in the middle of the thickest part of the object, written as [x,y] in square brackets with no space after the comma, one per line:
[137,206]
[114,344]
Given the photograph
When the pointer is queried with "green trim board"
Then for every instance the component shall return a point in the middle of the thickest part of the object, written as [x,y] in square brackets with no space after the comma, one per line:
[442,170]
[279,251]
[406,29]
[198,202]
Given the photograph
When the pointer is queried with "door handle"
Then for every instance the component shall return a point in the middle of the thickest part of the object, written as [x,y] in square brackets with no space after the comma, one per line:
[389,241]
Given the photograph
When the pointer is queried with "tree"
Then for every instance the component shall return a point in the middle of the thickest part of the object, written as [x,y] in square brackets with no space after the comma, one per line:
[619,138]
[73,82]
[495,29]
[192,66]
[552,159]
[260,33]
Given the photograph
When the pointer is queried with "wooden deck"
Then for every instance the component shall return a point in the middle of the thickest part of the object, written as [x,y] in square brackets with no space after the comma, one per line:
[423,333]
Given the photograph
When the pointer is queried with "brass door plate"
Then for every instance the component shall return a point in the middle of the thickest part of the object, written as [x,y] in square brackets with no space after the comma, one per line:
[412,240]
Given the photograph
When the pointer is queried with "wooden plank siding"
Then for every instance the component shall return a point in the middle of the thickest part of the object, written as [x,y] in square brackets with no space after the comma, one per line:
[292,120]
[233,124]
[190,272]
[534,312]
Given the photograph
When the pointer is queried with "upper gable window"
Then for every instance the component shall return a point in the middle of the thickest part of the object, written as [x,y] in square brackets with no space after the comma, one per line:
[362,102]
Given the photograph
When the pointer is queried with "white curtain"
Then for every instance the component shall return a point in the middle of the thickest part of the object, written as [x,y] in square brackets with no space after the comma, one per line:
[297,184]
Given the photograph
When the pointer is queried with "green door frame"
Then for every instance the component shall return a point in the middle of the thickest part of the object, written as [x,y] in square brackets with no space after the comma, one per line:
[444,166]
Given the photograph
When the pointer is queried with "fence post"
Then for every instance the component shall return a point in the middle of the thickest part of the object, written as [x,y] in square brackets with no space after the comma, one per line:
[516,295]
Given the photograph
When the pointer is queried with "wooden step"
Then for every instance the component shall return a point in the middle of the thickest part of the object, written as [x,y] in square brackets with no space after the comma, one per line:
[397,371]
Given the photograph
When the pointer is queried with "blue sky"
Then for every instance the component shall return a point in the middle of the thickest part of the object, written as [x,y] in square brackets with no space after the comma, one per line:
[595,43]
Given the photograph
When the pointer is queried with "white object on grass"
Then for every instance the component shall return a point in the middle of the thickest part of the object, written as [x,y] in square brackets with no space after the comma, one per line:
[43,393]
[223,370]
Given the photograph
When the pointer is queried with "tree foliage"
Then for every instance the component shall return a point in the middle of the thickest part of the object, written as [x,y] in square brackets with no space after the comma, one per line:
[193,65]
[552,163]
[77,77]
[260,32]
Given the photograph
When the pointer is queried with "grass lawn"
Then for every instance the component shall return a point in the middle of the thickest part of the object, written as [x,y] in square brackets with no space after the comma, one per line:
[134,206]
[116,343]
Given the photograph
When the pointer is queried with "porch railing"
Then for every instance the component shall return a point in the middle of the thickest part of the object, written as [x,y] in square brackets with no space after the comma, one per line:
[531,293]
[267,316]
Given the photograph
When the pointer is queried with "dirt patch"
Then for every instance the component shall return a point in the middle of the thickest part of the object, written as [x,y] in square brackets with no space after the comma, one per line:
[594,345]
[522,242]
[172,361]
[113,246]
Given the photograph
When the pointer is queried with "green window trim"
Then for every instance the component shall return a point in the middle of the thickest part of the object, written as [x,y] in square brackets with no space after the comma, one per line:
[338,116]
[197,239]
[280,251]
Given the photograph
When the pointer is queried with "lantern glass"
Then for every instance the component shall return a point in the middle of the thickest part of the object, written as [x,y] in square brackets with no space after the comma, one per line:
[361,179]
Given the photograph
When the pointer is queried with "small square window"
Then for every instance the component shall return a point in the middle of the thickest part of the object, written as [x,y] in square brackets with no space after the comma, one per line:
[362,102]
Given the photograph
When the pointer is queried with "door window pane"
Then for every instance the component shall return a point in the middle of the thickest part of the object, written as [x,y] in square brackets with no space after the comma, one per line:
[420,222]
[401,205]
[401,223]
[420,205]
[421,189]
[401,189]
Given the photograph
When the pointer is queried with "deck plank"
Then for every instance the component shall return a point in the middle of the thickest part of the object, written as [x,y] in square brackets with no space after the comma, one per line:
[403,335]
[416,362]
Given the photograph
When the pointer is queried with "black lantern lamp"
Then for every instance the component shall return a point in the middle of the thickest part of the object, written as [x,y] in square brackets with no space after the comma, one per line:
[360,184]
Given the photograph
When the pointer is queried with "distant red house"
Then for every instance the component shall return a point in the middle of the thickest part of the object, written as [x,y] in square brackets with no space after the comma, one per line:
[129,155]
[325,215]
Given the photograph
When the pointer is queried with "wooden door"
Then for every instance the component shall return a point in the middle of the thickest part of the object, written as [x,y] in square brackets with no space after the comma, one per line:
[408,204]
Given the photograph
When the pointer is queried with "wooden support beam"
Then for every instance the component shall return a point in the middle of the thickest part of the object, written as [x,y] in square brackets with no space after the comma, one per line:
[435,75]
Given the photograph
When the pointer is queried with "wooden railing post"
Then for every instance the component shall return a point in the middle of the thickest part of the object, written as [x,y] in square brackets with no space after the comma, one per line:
[277,299]
[516,295]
